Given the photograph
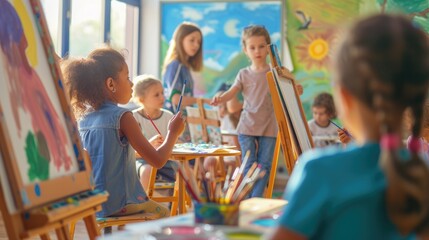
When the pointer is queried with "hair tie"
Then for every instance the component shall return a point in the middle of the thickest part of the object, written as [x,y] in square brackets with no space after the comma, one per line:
[390,141]
[414,144]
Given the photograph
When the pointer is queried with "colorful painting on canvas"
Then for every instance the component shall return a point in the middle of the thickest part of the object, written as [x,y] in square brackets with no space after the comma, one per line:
[35,119]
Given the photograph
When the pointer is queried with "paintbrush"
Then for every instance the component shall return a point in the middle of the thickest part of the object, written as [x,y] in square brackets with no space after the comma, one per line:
[237,180]
[246,179]
[227,177]
[181,96]
[336,125]
[156,128]
[246,190]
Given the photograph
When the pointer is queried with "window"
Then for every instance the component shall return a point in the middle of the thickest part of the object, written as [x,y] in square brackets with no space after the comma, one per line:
[124,29]
[86,29]
[51,8]
[90,24]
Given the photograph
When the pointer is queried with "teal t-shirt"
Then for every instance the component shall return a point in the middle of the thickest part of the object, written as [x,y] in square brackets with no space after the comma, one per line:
[339,194]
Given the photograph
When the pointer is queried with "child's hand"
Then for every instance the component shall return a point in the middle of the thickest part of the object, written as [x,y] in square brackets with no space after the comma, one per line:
[344,137]
[156,141]
[177,124]
[299,89]
[216,100]
[207,100]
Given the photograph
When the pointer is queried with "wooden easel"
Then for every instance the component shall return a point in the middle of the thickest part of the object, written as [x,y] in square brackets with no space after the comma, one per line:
[36,205]
[40,222]
[203,120]
[287,135]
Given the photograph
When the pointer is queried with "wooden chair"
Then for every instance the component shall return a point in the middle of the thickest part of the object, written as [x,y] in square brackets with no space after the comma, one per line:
[108,222]
[152,186]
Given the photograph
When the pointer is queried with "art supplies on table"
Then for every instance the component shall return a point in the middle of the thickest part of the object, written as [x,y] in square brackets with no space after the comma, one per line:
[255,216]
[200,148]
[216,214]
[217,204]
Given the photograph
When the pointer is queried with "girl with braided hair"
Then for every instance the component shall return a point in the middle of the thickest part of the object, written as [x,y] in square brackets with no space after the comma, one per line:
[374,188]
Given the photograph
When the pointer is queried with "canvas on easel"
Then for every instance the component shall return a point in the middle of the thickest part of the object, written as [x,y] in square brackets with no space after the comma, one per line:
[40,148]
[294,134]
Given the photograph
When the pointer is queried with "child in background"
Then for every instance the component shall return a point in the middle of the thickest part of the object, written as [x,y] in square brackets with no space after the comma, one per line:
[96,85]
[184,54]
[149,93]
[228,123]
[424,140]
[323,131]
[374,189]
[257,125]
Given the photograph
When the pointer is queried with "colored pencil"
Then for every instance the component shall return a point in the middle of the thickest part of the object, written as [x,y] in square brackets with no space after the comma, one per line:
[156,128]
[336,125]
[181,96]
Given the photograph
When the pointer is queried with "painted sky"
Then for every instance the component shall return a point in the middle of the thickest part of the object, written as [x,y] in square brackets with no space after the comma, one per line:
[221,24]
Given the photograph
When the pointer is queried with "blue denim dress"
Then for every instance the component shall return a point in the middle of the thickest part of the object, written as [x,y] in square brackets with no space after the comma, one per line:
[112,157]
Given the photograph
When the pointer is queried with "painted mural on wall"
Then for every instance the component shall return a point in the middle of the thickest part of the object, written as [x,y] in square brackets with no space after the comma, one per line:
[221,23]
[312,30]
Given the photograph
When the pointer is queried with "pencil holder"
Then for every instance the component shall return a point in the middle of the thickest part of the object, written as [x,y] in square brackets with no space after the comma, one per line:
[217,214]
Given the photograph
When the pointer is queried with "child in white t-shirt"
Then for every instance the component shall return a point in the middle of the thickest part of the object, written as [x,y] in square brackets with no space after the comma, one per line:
[149,94]
[323,131]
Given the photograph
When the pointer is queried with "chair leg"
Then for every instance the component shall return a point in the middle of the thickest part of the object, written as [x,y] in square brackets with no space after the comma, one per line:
[151,186]
[175,203]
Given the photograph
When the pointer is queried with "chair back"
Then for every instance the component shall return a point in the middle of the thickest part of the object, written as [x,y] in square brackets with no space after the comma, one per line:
[204,124]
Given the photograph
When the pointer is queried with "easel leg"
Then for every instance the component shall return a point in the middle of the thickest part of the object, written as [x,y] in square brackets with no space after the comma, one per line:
[45,236]
[269,191]
[63,233]
[91,226]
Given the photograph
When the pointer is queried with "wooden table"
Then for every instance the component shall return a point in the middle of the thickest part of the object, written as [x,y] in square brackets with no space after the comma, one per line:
[183,157]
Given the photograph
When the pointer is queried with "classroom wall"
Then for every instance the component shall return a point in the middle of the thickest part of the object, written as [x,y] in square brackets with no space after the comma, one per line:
[311,46]
[310,42]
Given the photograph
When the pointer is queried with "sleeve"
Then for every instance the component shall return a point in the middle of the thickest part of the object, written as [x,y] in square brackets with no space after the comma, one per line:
[169,76]
[307,195]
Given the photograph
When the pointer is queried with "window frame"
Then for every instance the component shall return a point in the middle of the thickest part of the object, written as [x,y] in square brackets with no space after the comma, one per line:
[66,21]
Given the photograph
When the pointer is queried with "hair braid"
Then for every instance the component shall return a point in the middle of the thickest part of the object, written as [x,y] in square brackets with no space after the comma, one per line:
[385,64]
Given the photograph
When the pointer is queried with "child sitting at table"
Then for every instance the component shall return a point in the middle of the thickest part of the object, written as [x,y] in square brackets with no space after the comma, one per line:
[149,94]
[111,135]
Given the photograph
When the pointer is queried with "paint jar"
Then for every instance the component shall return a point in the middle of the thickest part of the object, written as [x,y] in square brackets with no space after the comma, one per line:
[217,214]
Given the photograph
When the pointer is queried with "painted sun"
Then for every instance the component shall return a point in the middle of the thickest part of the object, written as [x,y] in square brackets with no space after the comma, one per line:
[314,50]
